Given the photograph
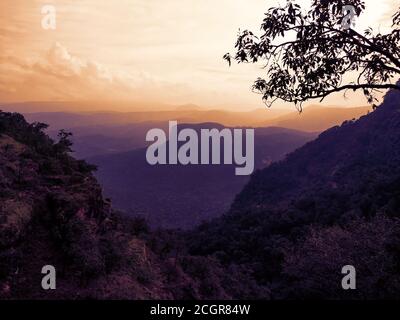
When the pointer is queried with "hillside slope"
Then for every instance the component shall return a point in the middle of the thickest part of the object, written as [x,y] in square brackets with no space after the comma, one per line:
[331,203]
[52,213]
[342,159]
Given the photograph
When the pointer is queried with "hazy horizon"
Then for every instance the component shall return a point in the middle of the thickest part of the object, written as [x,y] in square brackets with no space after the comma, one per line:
[134,106]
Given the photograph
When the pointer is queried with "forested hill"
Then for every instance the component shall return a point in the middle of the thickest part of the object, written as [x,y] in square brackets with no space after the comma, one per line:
[343,158]
[333,202]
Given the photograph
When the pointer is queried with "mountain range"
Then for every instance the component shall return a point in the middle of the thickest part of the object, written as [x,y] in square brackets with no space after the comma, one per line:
[116,142]
[178,196]
[312,118]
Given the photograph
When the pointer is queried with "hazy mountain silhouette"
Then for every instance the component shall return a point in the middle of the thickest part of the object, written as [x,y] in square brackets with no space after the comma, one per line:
[113,132]
[313,118]
[184,196]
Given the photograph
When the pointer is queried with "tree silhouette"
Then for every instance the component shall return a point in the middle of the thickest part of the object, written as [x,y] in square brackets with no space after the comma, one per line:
[308,54]
[64,143]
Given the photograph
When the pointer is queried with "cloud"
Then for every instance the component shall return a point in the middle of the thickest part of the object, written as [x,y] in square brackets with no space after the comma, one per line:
[59,75]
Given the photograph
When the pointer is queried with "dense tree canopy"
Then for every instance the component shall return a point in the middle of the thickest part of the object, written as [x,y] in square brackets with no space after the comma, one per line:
[310,55]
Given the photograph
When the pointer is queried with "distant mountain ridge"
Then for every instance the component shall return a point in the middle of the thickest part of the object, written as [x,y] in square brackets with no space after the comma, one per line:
[113,132]
[312,119]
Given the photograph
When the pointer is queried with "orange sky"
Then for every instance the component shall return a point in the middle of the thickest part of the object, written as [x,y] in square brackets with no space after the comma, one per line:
[166,51]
